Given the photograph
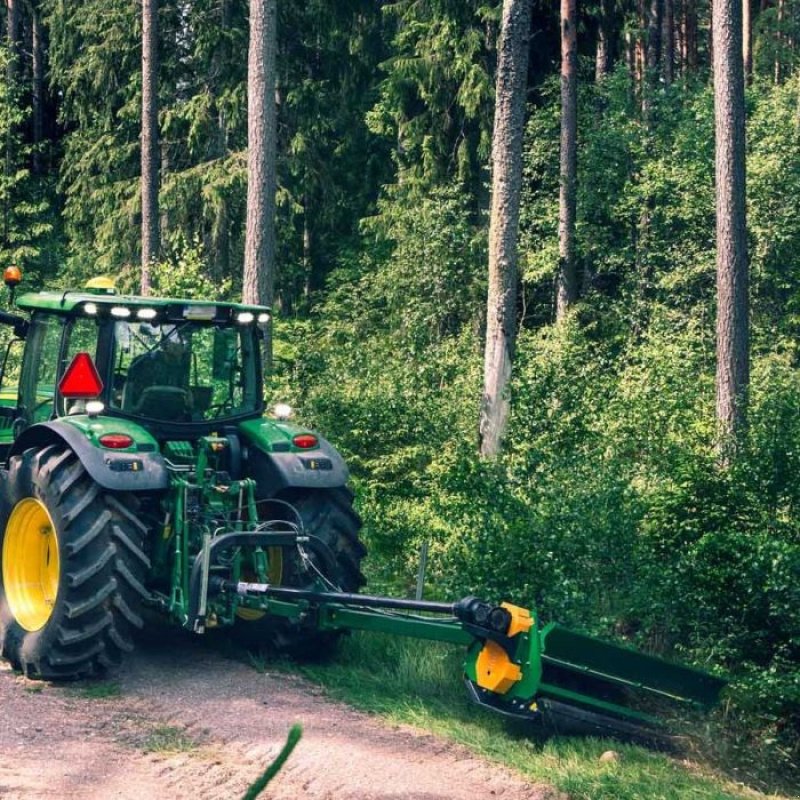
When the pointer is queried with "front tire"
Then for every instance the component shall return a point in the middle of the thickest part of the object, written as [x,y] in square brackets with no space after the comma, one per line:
[71,568]
[327,514]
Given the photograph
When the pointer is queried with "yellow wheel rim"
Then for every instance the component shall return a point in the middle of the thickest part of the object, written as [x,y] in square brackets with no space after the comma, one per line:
[31,564]
[274,576]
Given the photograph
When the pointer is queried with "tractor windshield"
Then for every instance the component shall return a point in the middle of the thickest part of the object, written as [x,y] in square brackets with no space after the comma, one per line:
[185,371]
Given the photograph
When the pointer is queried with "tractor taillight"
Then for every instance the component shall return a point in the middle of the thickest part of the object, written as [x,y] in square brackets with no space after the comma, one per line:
[116,441]
[305,441]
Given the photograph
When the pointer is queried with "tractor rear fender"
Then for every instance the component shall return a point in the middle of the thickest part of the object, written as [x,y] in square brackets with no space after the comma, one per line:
[320,468]
[130,470]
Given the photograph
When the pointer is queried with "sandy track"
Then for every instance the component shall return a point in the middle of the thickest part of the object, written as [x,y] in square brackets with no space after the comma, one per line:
[190,724]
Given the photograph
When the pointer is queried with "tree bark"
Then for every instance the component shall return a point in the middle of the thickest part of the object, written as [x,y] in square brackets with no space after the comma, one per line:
[150,148]
[509,123]
[747,40]
[220,238]
[603,56]
[732,268]
[779,38]
[668,43]
[37,95]
[567,291]
[14,35]
[691,35]
[259,255]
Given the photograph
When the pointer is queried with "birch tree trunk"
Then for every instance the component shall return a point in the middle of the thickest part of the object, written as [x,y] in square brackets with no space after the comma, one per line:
[501,318]
[567,291]
[733,368]
[259,251]
[150,150]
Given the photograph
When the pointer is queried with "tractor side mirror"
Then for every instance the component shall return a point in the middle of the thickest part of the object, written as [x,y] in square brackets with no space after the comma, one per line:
[19,324]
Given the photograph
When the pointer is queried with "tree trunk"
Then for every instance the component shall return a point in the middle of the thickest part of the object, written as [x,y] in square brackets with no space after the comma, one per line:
[639,52]
[653,38]
[747,40]
[691,35]
[509,124]
[668,43]
[14,34]
[220,227]
[259,253]
[603,56]
[37,95]
[567,291]
[732,269]
[652,55]
[150,148]
[779,37]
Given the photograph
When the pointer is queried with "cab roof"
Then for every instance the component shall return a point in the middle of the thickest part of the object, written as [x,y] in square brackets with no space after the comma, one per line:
[68,302]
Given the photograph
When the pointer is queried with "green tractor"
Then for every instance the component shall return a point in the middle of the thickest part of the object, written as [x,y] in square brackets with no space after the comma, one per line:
[142,475]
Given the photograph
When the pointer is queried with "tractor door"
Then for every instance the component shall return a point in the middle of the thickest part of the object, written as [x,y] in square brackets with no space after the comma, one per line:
[52,342]
[40,368]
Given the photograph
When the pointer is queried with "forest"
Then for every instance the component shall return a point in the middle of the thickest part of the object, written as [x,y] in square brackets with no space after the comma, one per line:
[609,502]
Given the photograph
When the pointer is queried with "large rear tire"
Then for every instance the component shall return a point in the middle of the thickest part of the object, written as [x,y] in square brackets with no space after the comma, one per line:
[72,568]
[327,514]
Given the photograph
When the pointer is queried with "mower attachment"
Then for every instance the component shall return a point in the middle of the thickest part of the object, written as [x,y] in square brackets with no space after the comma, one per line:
[513,666]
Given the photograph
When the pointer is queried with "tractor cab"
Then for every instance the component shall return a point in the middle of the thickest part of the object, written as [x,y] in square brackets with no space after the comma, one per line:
[181,368]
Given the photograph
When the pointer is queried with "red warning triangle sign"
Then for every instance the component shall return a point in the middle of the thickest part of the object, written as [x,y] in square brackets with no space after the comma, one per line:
[81,380]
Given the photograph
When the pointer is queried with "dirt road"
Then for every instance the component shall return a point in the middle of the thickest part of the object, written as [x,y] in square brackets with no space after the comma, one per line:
[184,722]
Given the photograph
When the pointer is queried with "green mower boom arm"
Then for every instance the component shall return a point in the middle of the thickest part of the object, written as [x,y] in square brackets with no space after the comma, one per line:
[513,666]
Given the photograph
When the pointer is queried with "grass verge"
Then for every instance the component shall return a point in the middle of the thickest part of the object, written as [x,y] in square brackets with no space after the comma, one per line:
[415,683]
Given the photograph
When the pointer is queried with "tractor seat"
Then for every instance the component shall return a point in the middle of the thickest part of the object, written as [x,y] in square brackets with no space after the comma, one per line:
[162,402]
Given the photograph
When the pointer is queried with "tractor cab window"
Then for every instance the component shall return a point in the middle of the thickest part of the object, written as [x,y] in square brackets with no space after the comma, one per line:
[184,371]
[40,371]
[82,337]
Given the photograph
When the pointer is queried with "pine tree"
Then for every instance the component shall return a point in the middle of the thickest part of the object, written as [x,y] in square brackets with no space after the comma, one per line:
[151,240]
[259,254]
[733,366]
[567,283]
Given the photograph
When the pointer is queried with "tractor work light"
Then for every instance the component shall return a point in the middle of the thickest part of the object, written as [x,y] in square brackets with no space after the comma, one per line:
[282,411]
[146,313]
[90,309]
[95,407]
[245,317]
[120,312]
[263,319]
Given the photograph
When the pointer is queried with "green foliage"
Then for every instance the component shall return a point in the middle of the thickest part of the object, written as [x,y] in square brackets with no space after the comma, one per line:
[26,223]
[184,273]
[436,98]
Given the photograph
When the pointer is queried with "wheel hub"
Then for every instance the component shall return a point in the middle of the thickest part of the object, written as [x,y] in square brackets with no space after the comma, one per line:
[31,564]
